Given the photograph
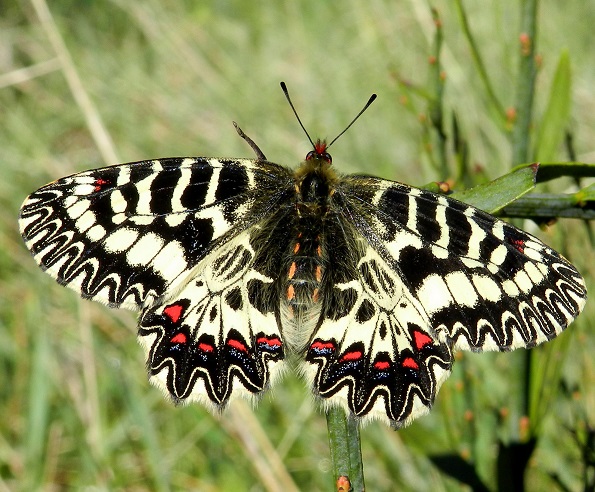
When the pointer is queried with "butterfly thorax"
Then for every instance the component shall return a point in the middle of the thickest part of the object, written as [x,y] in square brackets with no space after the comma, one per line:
[314,181]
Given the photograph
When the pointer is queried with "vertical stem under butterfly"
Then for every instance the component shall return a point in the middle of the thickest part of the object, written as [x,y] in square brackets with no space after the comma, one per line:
[345,447]
[521,153]
[514,456]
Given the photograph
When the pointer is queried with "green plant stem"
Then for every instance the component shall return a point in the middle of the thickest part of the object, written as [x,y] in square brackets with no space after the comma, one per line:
[345,447]
[525,83]
[437,101]
[548,206]
[554,170]
[525,89]
[483,74]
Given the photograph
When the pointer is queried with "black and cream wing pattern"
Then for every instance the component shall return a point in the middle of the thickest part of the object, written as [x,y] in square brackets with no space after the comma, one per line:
[236,265]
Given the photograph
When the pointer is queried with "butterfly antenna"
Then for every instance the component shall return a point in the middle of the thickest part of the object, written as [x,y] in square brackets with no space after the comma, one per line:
[286,92]
[370,101]
[250,142]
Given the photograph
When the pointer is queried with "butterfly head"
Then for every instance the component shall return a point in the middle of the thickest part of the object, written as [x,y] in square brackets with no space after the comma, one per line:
[320,152]
[320,147]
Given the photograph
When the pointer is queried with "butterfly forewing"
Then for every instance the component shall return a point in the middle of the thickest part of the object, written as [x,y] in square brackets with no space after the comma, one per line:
[483,283]
[129,233]
[236,262]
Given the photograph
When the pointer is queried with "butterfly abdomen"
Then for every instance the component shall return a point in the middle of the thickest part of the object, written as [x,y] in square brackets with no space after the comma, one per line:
[305,269]
[305,266]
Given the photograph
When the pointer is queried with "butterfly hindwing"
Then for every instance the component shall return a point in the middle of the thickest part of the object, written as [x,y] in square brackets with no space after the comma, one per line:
[376,356]
[216,340]
[431,275]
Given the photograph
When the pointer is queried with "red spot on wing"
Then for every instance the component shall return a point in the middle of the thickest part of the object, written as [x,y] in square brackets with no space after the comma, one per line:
[519,244]
[421,339]
[174,312]
[319,346]
[351,356]
[381,365]
[236,344]
[100,183]
[205,347]
[179,338]
[266,343]
[271,342]
[410,363]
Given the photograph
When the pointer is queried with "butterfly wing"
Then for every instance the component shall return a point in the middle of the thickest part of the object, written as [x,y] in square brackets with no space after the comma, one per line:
[484,284]
[172,238]
[218,338]
[373,351]
[429,275]
[125,235]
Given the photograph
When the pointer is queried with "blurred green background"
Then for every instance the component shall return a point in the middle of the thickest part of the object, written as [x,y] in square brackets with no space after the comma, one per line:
[88,83]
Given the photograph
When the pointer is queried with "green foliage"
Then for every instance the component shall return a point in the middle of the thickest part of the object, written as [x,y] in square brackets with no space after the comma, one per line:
[498,193]
[111,80]
[554,123]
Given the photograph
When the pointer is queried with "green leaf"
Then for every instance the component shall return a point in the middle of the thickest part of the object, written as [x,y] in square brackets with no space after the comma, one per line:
[555,119]
[585,195]
[496,194]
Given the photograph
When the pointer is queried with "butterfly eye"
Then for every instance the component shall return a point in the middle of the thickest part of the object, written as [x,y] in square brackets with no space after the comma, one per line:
[325,156]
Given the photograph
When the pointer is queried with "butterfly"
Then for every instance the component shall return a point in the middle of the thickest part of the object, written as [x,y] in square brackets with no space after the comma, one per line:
[237,265]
